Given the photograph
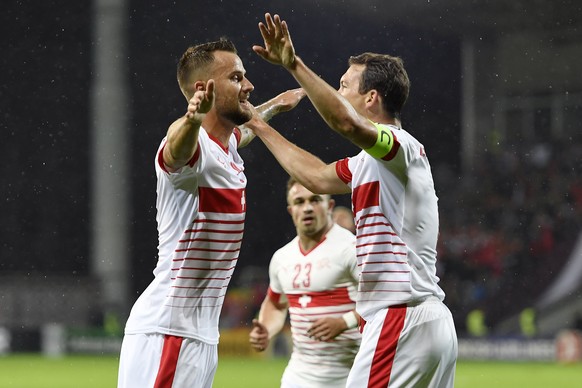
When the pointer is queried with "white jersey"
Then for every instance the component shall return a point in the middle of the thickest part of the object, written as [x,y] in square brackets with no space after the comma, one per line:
[201,213]
[317,284]
[396,214]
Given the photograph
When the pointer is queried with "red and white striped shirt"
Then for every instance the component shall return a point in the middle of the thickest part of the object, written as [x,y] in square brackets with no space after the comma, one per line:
[201,214]
[317,284]
[396,214]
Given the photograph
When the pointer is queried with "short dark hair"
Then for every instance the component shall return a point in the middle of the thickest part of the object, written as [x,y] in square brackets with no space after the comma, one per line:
[292,181]
[199,56]
[386,74]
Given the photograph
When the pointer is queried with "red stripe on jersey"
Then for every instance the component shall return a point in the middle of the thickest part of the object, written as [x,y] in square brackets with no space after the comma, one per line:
[191,162]
[343,171]
[195,157]
[218,142]
[222,200]
[275,297]
[207,250]
[381,243]
[304,252]
[366,195]
[239,231]
[211,221]
[321,299]
[211,240]
[394,150]
[383,360]
[169,361]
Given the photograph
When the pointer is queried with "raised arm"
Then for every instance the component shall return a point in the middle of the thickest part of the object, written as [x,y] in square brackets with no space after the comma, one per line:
[282,103]
[182,137]
[306,168]
[337,112]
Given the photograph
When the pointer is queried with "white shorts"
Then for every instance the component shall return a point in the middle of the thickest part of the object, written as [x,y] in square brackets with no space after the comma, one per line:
[300,374]
[407,346]
[164,361]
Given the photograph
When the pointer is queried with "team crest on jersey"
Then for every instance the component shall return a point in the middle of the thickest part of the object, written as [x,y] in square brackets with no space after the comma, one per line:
[236,168]
[324,263]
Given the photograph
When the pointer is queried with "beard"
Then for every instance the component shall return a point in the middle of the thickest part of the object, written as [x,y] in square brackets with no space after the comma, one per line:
[238,116]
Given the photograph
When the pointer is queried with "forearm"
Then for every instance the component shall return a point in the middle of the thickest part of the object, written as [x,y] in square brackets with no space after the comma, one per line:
[267,110]
[182,140]
[272,317]
[337,112]
[305,167]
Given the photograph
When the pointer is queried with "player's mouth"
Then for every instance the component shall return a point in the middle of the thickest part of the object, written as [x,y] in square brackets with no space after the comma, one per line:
[309,220]
[245,103]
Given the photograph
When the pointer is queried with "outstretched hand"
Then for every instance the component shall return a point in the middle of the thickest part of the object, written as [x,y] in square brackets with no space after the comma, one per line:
[278,46]
[289,99]
[283,102]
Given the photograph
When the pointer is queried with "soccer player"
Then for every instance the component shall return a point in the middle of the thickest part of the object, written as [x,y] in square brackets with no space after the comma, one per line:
[314,277]
[408,336]
[171,335]
[344,217]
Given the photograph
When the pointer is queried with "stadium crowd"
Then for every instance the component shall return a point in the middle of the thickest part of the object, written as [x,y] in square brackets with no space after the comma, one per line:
[508,229]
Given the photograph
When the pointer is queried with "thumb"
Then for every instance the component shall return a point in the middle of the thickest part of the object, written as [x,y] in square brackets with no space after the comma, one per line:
[258,325]
[260,51]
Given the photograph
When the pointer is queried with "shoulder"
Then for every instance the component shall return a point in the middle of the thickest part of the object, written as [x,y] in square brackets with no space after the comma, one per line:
[340,236]
[286,250]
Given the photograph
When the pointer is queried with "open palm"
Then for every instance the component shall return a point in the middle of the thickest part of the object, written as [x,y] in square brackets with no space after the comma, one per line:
[278,48]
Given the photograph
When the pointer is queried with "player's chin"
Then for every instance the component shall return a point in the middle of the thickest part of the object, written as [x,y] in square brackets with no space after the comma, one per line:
[241,116]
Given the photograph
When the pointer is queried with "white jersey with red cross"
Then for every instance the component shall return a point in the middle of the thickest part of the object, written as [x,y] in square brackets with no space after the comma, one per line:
[318,283]
[201,214]
[396,214]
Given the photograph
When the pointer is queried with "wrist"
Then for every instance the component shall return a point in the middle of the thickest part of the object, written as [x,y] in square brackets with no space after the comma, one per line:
[269,110]
[293,64]
[350,319]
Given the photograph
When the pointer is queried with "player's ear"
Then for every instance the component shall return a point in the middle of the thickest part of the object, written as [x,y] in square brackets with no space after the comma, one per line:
[372,97]
[289,210]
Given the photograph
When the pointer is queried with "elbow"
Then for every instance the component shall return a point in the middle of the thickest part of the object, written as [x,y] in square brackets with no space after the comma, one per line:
[345,125]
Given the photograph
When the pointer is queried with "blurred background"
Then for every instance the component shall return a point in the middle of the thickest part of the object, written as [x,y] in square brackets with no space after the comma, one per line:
[88,89]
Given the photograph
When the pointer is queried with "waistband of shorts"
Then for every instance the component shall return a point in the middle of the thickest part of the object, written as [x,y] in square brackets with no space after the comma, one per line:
[428,299]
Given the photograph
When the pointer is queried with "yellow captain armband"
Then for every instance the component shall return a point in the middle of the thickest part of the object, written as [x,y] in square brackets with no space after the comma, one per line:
[383,144]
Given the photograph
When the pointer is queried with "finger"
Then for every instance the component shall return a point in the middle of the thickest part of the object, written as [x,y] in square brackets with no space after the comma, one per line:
[264,31]
[277,25]
[260,329]
[269,20]
[260,51]
[285,29]
[199,86]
